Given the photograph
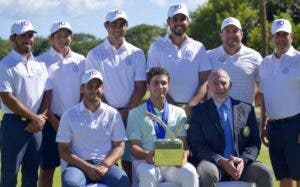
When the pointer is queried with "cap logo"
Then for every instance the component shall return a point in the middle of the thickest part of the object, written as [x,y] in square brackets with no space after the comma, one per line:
[92,73]
[117,12]
[178,6]
[280,22]
[24,23]
[61,23]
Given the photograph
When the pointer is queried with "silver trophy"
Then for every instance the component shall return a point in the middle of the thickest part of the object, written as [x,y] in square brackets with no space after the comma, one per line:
[168,152]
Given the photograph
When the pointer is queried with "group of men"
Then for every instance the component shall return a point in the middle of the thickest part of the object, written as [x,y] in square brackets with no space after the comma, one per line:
[85,114]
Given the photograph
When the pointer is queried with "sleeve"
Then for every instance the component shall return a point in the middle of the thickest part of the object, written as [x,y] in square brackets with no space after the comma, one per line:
[153,57]
[203,60]
[133,131]
[6,83]
[258,61]
[181,121]
[90,61]
[140,66]
[64,132]
[48,83]
[118,131]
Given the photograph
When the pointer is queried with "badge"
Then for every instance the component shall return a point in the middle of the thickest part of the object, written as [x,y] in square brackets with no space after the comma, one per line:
[285,70]
[128,61]
[246,131]
[222,59]
[75,68]
[189,54]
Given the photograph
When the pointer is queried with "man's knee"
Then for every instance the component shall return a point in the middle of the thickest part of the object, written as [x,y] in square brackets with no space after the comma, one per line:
[73,177]
[208,172]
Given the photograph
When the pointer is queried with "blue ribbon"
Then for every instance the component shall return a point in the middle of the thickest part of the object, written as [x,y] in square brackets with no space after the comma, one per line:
[159,129]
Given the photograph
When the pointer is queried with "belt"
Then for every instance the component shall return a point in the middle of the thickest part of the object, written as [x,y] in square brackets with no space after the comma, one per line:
[284,120]
[17,116]
[179,104]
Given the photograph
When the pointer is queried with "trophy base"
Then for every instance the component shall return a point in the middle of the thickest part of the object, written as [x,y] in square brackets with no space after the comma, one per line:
[168,153]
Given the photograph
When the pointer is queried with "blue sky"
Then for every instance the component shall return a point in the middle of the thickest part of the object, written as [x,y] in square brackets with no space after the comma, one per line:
[85,16]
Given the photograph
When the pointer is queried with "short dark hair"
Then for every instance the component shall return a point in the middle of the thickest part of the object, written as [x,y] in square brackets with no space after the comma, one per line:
[156,71]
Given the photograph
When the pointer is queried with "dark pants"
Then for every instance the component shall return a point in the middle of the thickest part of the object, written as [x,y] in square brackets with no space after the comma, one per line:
[18,148]
[75,177]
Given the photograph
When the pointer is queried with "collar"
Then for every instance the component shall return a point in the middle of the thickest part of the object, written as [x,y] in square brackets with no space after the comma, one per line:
[108,45]
[167,38]
[82,108]
[54,53]
[227,103]
[290,52]
[241,51]
[18,57]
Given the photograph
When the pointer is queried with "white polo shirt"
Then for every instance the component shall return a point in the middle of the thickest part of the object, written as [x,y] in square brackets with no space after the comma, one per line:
[120,68]
[91,134]
[65,74]
[183,64]
[25,78]
[280,83]
[242,68]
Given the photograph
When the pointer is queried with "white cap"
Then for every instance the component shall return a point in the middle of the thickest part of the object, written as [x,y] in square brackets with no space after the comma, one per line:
[20,27]
[89,75]
[115,14]
[60,25]
[178,8]
[231,21]
[281,25]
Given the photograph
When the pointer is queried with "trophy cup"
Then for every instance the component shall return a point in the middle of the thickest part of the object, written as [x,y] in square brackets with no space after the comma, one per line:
[168,152]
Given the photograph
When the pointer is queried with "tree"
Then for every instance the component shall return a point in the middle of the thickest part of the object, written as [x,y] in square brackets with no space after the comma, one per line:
[143,35]
[207,19]
[5,47]
[41,45]
[82,43]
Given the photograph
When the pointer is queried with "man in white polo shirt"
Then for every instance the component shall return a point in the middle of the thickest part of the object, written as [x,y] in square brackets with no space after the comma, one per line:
[24,92]
[239,61]
[183,57]
[65,69]
[279,76]
[91,138]
[123,67]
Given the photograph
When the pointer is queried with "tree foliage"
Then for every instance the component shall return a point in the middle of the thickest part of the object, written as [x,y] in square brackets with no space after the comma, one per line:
[143,35]
[82,43]
[5,47]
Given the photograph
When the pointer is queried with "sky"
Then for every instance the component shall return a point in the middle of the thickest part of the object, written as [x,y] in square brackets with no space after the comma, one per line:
[85,16]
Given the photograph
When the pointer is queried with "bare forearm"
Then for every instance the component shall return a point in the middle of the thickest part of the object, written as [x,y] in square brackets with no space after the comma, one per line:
[138,94]
[115,154]
[16,106]
[46,102]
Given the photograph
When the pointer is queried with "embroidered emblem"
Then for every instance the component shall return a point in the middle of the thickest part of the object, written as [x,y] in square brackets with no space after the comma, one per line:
[75,68]
[222,59]
[285,70]
[246,131]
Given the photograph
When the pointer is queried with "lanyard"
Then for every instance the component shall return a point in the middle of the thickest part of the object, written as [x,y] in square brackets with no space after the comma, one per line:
[159,129]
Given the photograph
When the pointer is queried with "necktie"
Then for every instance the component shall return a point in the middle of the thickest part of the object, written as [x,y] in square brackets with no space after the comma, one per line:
[227,131]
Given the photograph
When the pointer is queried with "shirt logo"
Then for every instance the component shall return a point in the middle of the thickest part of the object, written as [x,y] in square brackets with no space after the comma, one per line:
[189,53]
[285,70]
[75,68]
[222,59]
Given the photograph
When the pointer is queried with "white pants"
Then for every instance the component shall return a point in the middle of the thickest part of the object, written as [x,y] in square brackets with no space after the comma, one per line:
[149,175]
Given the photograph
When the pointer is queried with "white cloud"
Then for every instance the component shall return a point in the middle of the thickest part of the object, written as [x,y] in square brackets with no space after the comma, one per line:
[36,8]
[160,3]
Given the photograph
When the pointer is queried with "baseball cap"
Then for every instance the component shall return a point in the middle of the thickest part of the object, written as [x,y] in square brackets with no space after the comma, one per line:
[231,21]
[59,25]
[115,14]
[281,25]
[20,27]
[89,75]
[178,8]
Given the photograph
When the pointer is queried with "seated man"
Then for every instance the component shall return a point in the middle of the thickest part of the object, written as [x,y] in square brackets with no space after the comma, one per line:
[91,139]
[142,132]
[224,137]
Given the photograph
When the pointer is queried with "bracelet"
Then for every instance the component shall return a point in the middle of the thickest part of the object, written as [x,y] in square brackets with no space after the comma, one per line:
[104,164]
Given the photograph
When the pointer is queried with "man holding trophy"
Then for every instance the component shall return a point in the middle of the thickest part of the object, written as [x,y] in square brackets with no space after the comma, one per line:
[151,129]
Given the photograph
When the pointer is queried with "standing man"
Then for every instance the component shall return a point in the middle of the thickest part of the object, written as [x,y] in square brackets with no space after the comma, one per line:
[239,61]
[91,138]
[123,67]
[65,69]
[143,132]
[279,76]
[25,92]
[183,57]
[224,137]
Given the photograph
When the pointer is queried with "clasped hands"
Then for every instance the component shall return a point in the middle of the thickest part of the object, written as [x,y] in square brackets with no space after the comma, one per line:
[234,166]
